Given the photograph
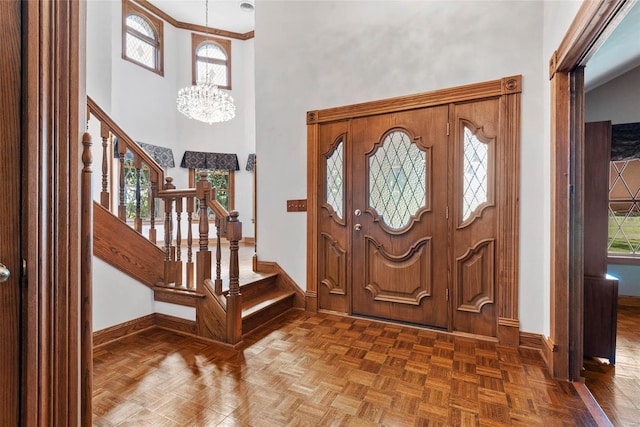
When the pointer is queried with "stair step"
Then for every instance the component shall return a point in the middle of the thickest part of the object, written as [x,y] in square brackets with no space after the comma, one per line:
[258,287]
[258,310]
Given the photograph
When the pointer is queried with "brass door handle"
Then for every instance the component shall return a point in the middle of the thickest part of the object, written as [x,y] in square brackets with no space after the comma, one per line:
[357,227]
[4,273]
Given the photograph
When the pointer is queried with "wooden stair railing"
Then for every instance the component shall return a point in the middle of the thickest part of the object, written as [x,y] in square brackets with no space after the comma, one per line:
[109,128]
[224,308]
[218,313]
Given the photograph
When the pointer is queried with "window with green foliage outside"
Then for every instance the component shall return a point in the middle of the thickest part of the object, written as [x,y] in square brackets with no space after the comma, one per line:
[624,208]
[222,181]
[130,178]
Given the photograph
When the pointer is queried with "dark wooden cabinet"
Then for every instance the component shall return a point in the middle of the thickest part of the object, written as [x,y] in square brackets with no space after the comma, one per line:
[600,317]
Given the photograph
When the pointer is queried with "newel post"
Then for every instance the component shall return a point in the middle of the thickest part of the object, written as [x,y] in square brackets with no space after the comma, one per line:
[203,257]
[234,298]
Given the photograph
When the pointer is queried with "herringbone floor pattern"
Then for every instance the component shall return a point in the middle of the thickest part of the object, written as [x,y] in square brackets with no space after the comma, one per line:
[319,369]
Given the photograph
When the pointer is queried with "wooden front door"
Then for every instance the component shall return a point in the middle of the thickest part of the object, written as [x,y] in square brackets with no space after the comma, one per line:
[399,209]
[413,209]
[10,183]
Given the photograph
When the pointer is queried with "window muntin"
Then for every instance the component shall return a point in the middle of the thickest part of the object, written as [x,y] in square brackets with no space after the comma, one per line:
[624,208]
[142,41]
[211,59]
[130,184]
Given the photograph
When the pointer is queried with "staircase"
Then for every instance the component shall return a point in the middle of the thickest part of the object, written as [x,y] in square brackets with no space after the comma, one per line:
[227,305]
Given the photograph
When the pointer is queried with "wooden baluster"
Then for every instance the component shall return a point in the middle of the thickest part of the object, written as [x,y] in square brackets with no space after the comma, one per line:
[169,276]
[234,298]
[152,205]
[203,257]
[218,282]
[86,283]
[178,262]
[190,209]
[122,208]
[105,198]
[138,220]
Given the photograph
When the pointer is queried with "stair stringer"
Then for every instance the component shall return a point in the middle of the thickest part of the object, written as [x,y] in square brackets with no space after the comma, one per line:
[211,314]
[123,248]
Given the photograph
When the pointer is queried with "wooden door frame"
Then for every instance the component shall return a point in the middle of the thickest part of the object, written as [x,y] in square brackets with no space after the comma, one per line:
[589,29]
[508,89]
[53,105]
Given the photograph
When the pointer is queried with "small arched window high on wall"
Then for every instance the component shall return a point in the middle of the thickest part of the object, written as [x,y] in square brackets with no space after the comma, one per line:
[142,38]
[211,60]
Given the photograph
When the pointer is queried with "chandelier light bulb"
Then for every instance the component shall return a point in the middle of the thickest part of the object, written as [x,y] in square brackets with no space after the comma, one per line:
[206,102]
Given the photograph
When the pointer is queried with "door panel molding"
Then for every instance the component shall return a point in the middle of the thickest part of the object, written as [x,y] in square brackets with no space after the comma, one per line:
[415,263]
[333,265]
[475,278]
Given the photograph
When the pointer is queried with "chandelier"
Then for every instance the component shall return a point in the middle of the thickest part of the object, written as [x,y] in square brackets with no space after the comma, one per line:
[204,101]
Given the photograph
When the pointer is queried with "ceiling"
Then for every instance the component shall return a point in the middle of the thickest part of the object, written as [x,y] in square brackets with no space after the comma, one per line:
[619,53]
[223,14]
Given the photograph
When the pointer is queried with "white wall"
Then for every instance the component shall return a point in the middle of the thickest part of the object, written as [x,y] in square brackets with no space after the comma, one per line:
[558,16]
[319,54]
[117,298]
[144,105]
[617,100]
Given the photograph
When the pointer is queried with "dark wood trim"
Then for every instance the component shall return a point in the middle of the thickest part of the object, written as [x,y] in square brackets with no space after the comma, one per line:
[592,405]
[176,324]
[592,23]
[192,27]
[591,26]
[53,122]
[122,330]
[507,85]
[312,212]
[508,201]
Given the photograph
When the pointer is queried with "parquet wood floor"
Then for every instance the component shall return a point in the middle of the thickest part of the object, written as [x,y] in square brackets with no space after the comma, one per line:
[308,369]
[617,388]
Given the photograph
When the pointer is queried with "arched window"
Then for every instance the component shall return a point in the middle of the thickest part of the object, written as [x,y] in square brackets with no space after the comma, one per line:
[211,60]
[141,38]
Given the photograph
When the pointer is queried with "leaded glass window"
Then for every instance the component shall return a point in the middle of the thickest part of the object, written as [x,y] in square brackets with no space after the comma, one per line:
[211,60]
[624,207]
[476,173]
[335,180]
[142,38]
[397,180]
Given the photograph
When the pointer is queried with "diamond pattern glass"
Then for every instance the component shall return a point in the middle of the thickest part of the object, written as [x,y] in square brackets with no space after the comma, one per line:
[397,180]
[141,51]
[335,180]
[211,73]
[476,177]
[137,48]
[624,207]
